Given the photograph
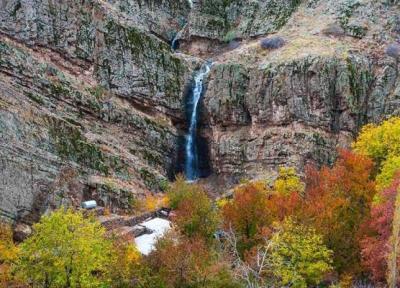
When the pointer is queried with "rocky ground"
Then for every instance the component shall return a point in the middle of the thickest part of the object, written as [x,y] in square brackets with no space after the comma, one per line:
[92,96]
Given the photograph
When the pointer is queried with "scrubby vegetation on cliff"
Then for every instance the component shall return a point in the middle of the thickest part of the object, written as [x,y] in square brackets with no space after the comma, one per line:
[335,226]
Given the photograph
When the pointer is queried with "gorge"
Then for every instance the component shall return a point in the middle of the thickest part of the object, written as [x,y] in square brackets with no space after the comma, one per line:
[93,100]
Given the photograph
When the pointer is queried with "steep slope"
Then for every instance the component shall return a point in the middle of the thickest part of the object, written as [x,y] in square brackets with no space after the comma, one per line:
[85,89]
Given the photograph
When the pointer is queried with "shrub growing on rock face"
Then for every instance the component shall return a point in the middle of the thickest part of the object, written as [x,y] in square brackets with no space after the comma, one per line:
[393,50]
[271,43]
[396,25]
[233,45]
[333,29]
[230,36]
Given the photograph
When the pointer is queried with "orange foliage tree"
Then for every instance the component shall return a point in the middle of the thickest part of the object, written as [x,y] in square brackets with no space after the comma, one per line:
[337,201]
[8,255]
[196,216]
[188,262]
[252,211]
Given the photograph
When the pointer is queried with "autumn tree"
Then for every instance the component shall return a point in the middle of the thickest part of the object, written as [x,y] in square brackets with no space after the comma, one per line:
[181,262]
[254,270]
[288,181]
[8,255]
[337,201]
[65,250]
[377,233]
[194,211]
[124,267]
[180,190]
[254,208]
[382,144]
[394,249]
[247,214]
[196,216]
[299,258]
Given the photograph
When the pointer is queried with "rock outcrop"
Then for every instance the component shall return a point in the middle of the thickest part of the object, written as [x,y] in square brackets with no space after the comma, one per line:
[299,103]
[289,113]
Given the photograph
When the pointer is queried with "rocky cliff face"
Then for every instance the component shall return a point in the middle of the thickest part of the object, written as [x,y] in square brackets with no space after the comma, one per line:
[299,103]
[289,113]
[92,96]
[86,89]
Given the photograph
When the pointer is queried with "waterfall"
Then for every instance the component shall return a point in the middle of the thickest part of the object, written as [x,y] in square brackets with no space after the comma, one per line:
[175,43]
[175,40]
[191,159]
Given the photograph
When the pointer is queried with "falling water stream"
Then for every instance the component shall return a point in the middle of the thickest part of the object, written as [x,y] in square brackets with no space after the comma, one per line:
[175,40]
[191,151]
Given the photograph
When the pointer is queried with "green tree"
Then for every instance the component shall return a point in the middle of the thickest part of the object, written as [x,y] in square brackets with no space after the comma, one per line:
[298,256]
[65,250]
[181,190]
[195,214]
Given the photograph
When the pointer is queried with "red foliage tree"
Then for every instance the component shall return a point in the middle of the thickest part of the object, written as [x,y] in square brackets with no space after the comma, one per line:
[377,231]
[253,210]
[247,213]
[337,200]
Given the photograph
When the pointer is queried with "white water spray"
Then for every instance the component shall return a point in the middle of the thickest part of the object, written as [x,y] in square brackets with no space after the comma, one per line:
[191,160]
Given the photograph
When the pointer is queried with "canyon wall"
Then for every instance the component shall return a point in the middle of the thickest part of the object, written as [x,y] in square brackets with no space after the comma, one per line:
[92,97]
[88,98]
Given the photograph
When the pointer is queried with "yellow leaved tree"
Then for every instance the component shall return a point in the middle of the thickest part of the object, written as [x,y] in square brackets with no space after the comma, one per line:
[65,250]
[8,254]
[288,181]
[382,144]
[299,257]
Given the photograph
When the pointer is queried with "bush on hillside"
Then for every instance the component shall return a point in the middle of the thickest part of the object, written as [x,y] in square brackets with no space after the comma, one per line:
[334,30]
[393,50]
[233,45]
[271,43]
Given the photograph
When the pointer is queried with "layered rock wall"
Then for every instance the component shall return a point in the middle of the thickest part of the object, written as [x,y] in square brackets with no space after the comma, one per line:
[85,87]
